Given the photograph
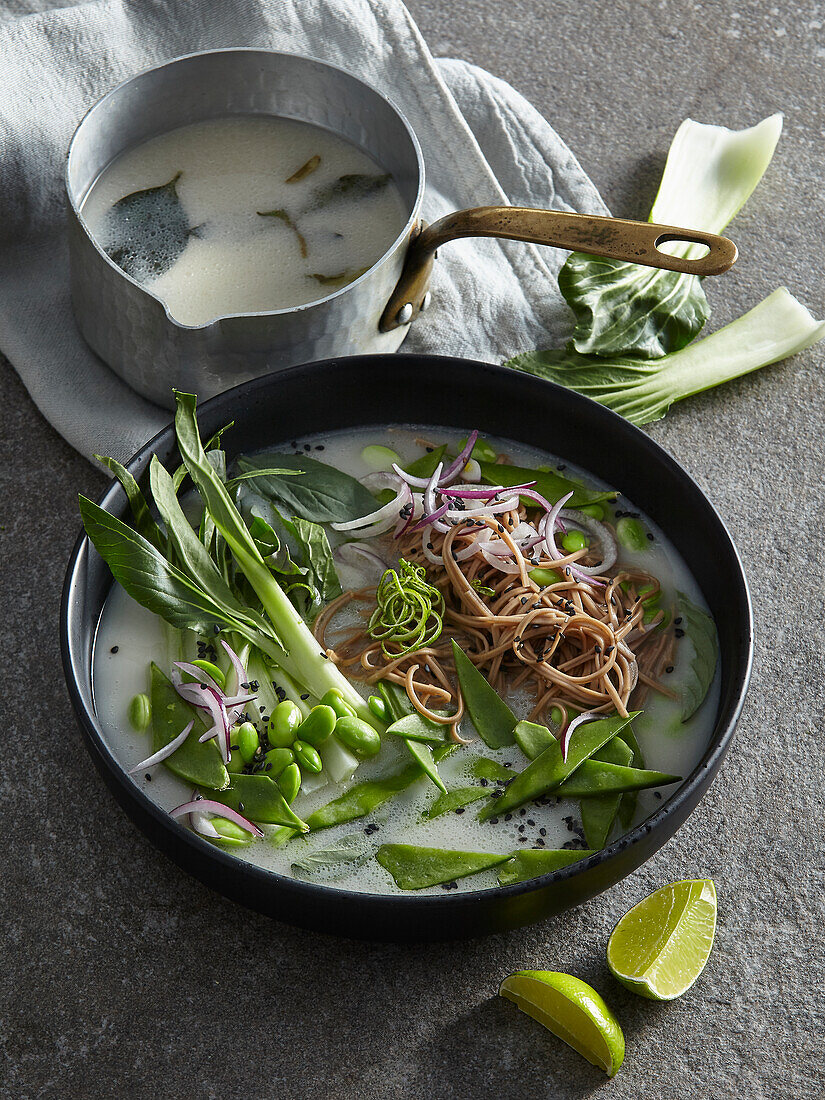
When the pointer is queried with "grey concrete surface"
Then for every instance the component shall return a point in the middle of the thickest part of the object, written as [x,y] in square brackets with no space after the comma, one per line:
[122,977]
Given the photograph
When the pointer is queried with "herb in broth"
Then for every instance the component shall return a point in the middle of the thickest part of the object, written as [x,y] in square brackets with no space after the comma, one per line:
[146,232]
[540,652]
[281,215]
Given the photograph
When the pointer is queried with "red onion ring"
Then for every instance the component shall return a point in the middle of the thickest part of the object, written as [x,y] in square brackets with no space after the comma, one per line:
[208,805]
[162,754]
[458,463]
[580,719]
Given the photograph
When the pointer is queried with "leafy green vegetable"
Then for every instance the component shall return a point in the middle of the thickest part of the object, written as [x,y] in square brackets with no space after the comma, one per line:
[323,494]
[144,524]
[261,800]
[701,630]
[549,483]
[531,862]
[491,716]
[643,390]
[455,799]
[598,814]
[626,309]
[197,762]
[597,779]
[416,727]
[350,852]
[353,186]
[414,868]
[365,797]
[282,216]
[399,707]
[533,738]
[145,232]
[425,465]
[549,771]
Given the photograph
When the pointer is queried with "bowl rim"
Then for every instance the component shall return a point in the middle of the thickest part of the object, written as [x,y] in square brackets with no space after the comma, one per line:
[100,104]
[696,781]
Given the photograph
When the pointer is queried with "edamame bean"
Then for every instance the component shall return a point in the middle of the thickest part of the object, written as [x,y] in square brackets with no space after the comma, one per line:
[211,670]
[235,764]
[140,713]
[307,757]
[338,703]
[317,726]
[289,782]
[358,736]
[277,760]
[594,510]
[573,540]
[283,723]
[230,833]
[379,458]
[556,716]
[378,707]
[544,577]
[631,534]
[248,742]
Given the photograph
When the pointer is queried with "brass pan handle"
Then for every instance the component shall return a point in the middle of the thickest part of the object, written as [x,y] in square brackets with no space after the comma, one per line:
[615,238]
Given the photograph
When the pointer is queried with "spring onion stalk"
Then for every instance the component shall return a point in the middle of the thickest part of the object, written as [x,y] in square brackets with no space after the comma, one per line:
[299,654]
[643,390]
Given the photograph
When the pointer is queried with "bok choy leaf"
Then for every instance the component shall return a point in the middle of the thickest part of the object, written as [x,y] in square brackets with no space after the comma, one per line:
[643,390]
[626,309]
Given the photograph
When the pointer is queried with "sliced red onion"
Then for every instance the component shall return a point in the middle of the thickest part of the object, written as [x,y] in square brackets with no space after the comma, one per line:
[379,521]
[458,463]
[602,533]
[547,527]
[241,674]
[209,805]
[508,505]
[459,555]
[409,479]
[484,494]
[201,676]
[381,479]
[208,698]
[203,826]
[431,518]
[162,754]
[580,719]
[499,563]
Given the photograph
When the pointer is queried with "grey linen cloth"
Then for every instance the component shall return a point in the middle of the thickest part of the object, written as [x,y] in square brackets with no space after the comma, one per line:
[482,141]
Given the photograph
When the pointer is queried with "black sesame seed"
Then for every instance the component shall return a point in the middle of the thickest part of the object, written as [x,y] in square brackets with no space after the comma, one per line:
[459,809]
[114,649]
[305,695]
[676,622]
[483,782]
[657,794]
[542,832]
[669,668]
[240,807]
[540,842]
[650,536]
[508,817]
[148,778]
[530,822]
[679,633]
[494,821]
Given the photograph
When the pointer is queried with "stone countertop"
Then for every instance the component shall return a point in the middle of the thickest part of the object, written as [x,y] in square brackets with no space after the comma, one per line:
[123,976]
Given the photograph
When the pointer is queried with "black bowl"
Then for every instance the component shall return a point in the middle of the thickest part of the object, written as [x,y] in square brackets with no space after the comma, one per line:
[454,393]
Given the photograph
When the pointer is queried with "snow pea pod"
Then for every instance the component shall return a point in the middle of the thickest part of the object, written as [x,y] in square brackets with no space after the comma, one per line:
[414,868]
[399,707]
[491,716]
[598,814]
[416,727]
[627,807]
[549,483]
[425,465]
[197,762]
[549,771]
[365,797]
[533,738]
[482,768]
[597,779]
[259,799]
[531,862]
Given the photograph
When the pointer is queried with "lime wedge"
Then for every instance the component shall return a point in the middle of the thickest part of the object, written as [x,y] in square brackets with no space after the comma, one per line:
[661,946]
[571,1009]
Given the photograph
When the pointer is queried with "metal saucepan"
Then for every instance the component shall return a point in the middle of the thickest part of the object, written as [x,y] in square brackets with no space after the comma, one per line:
[131,329]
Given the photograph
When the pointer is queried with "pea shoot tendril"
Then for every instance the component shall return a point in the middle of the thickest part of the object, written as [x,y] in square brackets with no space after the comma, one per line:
[409,612]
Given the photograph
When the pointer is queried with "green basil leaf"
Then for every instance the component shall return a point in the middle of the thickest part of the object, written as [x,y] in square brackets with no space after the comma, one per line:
[626,309]
[549,483]
[323,494]
[414,868]
[701,630]
[323,573]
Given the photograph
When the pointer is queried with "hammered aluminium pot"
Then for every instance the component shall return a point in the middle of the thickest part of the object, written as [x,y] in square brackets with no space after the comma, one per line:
[130,328]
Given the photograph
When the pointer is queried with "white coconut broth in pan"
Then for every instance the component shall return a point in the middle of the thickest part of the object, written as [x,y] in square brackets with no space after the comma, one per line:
[419,833]
[243,215]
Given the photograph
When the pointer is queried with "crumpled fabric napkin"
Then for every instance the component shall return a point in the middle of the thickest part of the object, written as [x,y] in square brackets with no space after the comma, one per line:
[482,141]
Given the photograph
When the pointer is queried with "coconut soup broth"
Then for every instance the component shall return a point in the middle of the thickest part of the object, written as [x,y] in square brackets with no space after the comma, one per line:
[244,215]
[130,637]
